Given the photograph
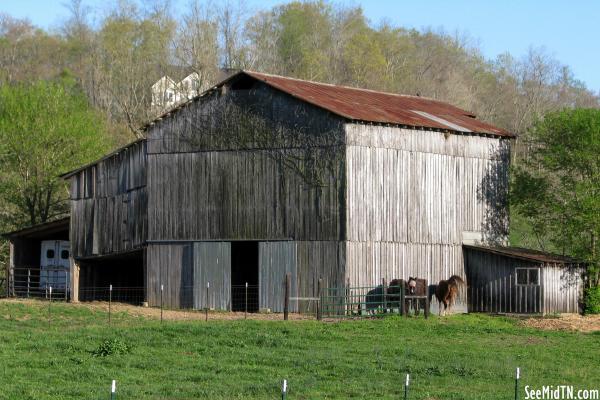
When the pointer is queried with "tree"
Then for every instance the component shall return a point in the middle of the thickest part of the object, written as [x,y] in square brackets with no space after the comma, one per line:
[557,189]
[46,128]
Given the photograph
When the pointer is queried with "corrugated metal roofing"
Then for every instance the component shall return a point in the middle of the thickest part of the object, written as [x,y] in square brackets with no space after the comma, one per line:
[372,106]
[527,254]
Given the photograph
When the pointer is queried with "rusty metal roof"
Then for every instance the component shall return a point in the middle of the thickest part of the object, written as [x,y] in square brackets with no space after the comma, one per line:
[380,107]
[526,254]
[366,105]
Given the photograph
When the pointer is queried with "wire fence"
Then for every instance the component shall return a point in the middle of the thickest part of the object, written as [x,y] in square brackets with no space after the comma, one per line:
[244,298]
[406,385]
[330,302]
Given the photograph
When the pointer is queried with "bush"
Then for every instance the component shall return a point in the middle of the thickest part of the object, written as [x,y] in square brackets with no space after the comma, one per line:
[111,347]
[592,300]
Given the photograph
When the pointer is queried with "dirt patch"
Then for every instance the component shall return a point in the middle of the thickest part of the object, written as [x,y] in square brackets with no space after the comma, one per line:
[566,322]
[185,315]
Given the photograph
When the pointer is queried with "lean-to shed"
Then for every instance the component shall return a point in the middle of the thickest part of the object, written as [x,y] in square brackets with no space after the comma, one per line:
[522,281]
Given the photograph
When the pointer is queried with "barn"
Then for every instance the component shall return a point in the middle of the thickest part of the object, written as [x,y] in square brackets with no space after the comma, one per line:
[263,176]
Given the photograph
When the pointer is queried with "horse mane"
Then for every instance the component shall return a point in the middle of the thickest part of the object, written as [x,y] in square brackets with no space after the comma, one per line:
[457,280]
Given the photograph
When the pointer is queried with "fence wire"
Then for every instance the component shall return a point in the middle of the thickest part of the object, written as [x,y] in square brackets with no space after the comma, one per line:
[332,302]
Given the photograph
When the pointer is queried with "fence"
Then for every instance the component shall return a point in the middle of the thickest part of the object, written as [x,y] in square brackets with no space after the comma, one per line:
[406,386]
[244,298]
[36,282]
[336,302]
[369,301]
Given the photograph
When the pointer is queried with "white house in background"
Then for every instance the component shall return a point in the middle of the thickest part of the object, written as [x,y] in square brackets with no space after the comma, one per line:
[167,93]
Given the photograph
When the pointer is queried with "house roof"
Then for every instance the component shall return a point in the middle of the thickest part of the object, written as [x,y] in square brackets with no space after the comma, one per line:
[40,229]
[525,254]
[364,105]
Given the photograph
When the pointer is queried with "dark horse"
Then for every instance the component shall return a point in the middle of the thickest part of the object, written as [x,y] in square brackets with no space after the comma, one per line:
[413,287]
[446,292]
[376,299]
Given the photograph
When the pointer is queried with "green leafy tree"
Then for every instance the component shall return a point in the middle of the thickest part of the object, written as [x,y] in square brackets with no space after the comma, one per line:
[557,189]
[46,128]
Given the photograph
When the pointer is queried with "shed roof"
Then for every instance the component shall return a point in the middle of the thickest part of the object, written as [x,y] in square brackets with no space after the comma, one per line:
[40,229]
[525,254]
[366,105]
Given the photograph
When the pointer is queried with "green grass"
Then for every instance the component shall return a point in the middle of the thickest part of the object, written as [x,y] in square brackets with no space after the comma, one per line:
[459,357]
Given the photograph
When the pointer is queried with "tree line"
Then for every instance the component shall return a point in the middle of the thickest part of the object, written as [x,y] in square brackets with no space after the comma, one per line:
[117,53]
[96,68]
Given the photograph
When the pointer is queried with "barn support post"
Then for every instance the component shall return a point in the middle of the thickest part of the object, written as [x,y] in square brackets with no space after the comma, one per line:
[403,310]
[347,298]
[74,284]
[10,271]
[427,305]
[206,305]
[384,294]
[161,303]
[319,302]
[286,300]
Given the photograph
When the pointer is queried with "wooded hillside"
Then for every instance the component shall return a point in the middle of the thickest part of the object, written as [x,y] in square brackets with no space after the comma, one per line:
[116,53]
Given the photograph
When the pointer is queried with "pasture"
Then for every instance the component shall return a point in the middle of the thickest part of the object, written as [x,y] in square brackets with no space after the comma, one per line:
[455,357]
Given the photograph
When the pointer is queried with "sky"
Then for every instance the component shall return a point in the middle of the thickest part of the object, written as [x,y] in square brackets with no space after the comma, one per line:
[569,30]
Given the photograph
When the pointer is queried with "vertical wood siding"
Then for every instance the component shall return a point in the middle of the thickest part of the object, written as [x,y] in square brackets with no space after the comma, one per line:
[172,266]
[184,269]
[410,196]
[236,195]
[276,259]
[109,204]
[563,288]
[212,264]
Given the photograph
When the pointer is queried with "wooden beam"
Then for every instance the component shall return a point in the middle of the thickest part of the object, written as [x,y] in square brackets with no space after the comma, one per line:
[75,269]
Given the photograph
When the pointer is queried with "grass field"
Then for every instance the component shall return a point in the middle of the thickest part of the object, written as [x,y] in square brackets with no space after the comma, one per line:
[457,357]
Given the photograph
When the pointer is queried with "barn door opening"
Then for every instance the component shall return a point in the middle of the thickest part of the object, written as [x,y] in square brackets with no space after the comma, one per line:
[244,270]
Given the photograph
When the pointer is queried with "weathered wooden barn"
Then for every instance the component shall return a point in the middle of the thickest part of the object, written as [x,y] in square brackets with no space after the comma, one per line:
[264,175]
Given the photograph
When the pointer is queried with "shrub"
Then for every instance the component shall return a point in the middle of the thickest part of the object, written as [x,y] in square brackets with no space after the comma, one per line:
[111,347]
[592,300]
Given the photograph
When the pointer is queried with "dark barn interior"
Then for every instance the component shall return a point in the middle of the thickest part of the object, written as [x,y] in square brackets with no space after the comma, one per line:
[125,272]
[244,269]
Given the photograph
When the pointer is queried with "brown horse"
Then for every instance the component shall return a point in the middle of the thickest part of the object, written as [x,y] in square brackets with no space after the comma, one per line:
[412,287]
[446,291]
